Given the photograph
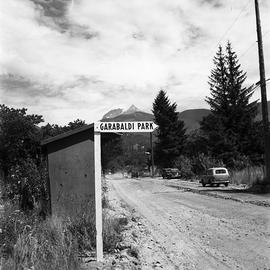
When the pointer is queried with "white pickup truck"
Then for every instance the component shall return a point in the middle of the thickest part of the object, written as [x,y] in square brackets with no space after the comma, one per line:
[216,176]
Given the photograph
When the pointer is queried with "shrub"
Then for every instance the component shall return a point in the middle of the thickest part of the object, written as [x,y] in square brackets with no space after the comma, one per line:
[202,162]
[183,163]
[240,162]
[12,224]
[26,184]
[248,176]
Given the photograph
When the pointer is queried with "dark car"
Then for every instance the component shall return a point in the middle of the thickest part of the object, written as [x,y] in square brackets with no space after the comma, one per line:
[134,174]
[169,173]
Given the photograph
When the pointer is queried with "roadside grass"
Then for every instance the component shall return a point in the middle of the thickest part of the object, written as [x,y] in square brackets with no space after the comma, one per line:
[112,229]
[28,242]
[48,245]
[248,176]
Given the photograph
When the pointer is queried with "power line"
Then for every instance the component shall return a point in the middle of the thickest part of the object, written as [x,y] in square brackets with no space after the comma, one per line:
[258,84]
[233,23]
[235,20]
[252,44]
[246,51]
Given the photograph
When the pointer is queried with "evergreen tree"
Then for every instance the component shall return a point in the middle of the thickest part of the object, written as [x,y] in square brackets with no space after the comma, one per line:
[171,131]
[241,112]
[218,85]
[230,124]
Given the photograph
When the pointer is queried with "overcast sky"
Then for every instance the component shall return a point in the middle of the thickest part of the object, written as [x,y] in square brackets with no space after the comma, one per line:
[67,60]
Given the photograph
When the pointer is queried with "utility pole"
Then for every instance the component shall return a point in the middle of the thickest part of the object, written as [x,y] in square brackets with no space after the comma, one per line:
[263,96]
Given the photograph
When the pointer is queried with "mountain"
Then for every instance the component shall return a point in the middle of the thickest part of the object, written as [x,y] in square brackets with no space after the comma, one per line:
[112,113]
[131,109]
[136,116]
[191,117]
[131,114]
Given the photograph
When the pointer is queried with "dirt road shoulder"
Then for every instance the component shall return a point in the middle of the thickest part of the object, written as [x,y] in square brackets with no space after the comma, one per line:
[146,249]
[236,193]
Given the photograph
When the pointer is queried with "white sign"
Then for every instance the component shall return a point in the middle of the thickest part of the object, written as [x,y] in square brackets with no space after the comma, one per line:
[121,127]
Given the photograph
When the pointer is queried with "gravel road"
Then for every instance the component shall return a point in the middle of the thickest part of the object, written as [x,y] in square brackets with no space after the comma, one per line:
[191,231]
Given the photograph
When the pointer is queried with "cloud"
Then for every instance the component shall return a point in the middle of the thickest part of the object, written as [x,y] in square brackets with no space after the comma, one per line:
[213,3]
[80,61]
[53,8]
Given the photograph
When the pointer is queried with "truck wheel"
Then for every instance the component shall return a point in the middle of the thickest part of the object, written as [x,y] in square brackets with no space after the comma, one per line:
[226,184]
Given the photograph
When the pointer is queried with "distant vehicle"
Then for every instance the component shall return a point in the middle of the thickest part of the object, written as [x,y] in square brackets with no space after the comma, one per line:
[216,176]
[134,174]
[169,173]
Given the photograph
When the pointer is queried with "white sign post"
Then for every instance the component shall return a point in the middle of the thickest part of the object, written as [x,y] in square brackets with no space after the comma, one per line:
[98,198]
[110,127]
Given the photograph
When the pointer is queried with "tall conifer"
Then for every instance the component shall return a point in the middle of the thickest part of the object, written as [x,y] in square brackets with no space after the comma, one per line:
[218,82]
[230,107]
[171,131]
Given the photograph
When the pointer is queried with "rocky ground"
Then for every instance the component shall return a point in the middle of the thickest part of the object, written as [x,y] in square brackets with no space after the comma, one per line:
[127,253]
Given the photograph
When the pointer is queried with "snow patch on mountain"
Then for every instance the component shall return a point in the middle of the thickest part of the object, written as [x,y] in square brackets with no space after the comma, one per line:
[131,109]
[116,112]
[112,113]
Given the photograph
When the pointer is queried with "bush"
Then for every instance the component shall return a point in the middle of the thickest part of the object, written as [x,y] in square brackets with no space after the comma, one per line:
[183,163]
[248,176]
[240,162]
[12,224]
[203,162]
[26,184]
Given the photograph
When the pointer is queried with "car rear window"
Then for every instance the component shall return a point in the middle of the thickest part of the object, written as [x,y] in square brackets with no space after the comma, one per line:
[221,171]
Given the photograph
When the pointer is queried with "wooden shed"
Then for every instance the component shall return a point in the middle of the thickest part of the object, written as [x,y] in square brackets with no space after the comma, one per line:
[70,160]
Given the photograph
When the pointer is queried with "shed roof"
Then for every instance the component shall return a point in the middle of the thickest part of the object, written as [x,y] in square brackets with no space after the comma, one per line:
[67,134]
